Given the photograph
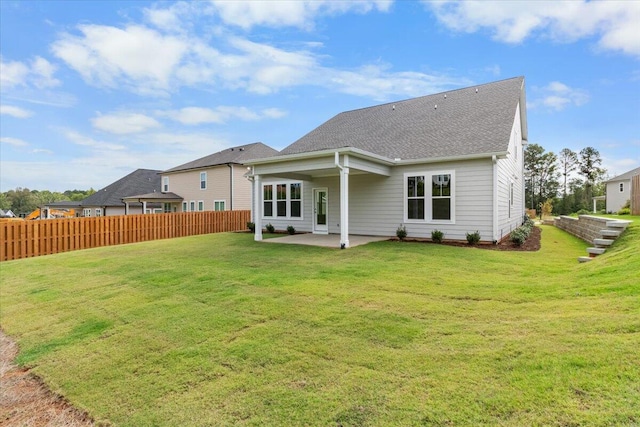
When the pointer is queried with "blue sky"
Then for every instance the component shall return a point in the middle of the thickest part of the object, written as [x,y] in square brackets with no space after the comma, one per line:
[91,91]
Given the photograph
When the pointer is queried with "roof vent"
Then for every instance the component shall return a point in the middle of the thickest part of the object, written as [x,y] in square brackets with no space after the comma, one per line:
[393,108]
[436,107]
[445,96]
[241,149]
[232,149]
[476,90]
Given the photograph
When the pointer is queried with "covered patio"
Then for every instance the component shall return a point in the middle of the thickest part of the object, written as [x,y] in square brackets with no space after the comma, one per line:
[324,240]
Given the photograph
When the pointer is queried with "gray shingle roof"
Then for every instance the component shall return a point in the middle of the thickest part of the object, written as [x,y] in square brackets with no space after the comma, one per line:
[474,120]
[236,155]
[626,175]
[139,181]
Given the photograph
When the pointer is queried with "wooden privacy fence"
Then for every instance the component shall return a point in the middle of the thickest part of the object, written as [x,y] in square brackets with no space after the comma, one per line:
[635,195]
[22,239]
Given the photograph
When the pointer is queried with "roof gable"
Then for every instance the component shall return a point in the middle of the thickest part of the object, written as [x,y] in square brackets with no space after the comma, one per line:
[462,122]
[137,182]
[237,155]
[625,176]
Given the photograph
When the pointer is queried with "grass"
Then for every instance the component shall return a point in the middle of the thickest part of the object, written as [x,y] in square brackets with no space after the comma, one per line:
[220,330]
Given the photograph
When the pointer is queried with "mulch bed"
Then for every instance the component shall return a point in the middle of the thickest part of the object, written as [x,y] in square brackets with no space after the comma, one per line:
[531,244]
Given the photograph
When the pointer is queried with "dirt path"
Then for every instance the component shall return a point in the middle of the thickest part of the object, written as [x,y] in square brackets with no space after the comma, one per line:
[25,401]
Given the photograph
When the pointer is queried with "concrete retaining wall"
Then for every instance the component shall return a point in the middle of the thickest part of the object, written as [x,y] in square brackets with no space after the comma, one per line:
[585,227]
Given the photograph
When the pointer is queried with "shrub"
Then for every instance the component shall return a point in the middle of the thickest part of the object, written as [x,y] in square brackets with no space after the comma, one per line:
[624,211]
[518,236]
[251,226]
[291,230]
[546,208]
[401,232]
[270,228]
[583,212]
[437,236]
[473,238]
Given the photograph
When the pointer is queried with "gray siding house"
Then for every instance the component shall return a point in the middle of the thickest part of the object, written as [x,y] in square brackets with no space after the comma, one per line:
[452,162]
[618,191]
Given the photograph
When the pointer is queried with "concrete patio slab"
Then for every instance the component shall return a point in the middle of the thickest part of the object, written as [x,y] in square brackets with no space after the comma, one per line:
[324,240]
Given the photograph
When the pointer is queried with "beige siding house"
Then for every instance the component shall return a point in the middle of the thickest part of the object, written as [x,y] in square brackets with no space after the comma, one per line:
[214,182]
[451,162]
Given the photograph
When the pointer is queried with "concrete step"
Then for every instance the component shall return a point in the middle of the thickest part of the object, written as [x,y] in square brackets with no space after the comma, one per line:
[585,259]
[602,242]
[610,233]
[596,251]
[618,224]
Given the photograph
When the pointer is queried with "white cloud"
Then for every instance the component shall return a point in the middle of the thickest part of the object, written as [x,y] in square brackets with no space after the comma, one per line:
[38,73]
[613,22]
[136,56]
[558,96]
[221,114]
[41,150]
[16,142]
[289,13]
[124,123]
[17,112]
[79,139]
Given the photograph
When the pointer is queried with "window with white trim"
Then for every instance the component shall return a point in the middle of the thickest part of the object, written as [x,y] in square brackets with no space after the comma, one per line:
[218,205]
[192,206]
[429,196]
[622,187]
[98,211]
[203,180]
[86,212]
[185,207]
[165,183]
[200,205]
[282,200]
[166,207]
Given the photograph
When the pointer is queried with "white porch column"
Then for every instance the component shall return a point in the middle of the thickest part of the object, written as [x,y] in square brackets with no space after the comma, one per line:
[144,207]
[594,205]
[257,216]
[344,205]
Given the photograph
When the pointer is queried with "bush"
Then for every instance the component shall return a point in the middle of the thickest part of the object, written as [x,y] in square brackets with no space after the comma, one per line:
[437,236]
[624,211]
[473,238]
[291,230]
[518,236]
[270,228]
[583,212]
[251,226]
[401,232]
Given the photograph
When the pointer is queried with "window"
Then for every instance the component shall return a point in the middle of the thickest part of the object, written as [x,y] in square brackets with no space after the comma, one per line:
[429,197]
[200,205]
[622,187]
[165,183]
[203,180]
[185,208]
[166,207]
[286,198]
[86,212]
[192,206]
[98,212]
[218,205]
[267,196]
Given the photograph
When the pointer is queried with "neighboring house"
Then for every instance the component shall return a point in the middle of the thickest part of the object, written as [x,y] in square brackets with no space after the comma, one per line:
[451,162]
[7,214]
[618,191]
[215,182]
[108,200]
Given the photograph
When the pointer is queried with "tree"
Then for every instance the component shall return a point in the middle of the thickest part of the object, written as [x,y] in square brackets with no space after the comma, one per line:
[541,175]
[22,201]
[568,163]
[5,203]
[589,167]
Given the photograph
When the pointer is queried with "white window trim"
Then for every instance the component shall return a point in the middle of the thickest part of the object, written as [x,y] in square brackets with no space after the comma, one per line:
[86,212]
[203,180]
[200,205]
[98,212]
[274,209]
[192,205]
[428,197]
[185,206]
[224,205]
[621,187]
[165,184]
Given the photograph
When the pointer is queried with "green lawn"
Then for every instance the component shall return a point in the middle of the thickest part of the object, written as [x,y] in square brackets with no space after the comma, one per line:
[220,330]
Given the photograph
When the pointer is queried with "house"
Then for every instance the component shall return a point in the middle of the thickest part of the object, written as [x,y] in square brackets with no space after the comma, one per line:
[7,214]
[451,162]
[618,191]
[108,201]
[214,182]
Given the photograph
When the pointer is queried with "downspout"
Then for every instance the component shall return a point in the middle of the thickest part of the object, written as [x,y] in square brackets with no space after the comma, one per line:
[494,160]
[230,185]
[344,200]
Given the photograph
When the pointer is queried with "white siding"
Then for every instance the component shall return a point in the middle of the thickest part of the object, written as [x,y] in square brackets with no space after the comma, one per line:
[615,198]
[511,170]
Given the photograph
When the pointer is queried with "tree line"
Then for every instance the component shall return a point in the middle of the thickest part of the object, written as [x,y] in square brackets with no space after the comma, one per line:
[23,201]
[568,181]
